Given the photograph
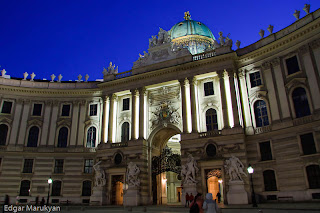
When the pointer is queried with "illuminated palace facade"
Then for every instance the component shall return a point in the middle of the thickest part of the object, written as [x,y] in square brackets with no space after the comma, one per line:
[190,94]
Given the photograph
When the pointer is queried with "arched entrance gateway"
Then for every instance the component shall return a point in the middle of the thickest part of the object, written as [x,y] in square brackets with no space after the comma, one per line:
[166,166]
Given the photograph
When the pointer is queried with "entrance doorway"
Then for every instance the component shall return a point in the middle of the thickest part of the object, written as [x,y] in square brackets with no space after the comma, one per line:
[117,189]
[214,183]
[166,179]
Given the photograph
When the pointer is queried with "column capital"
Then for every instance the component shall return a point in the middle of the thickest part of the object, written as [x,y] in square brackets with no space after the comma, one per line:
[19,101]
[266,65]
[275,61]
[134,92]
[184,82]
[193,80]
[242,73]
[142,90]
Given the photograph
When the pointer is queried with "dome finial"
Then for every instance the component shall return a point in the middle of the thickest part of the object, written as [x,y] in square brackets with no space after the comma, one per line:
[187,15]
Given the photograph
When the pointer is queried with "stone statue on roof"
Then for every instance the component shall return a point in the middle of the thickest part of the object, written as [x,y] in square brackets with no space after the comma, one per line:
[112,69]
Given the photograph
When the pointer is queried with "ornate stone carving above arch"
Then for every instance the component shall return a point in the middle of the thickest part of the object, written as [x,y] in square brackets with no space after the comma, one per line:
[6,120]
[64,122]
[258,95]
[296,82]
[35,122]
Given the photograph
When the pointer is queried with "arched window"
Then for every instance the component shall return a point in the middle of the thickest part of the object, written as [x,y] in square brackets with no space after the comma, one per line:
[33,137]
[24,188]
[86,188]
[269,178]
[125,132]
[63,137]
[91,137]
[211,120]
[300,102]
[3,134]
[313,173]
[261,114]
[56,188]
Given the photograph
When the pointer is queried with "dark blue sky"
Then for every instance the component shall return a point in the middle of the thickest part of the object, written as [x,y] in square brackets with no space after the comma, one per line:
[75,37]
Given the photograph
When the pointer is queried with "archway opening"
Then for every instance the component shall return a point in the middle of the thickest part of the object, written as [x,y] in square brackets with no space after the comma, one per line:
[166,167]
[214,184]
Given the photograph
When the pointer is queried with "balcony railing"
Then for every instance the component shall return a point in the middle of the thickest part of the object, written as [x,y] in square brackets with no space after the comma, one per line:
[263,129]
[204,56]
[303,120]
[117,145]
[124,74]
[210,134]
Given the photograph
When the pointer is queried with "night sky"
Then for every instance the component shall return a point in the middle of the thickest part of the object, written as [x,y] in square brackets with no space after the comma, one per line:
[75,37]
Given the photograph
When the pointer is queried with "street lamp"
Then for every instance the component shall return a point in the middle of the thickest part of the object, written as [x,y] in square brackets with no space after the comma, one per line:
[254,202]
[49,182]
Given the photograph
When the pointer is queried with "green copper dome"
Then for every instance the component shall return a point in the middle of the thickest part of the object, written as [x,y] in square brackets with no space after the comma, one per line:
[191,34]
[190,27]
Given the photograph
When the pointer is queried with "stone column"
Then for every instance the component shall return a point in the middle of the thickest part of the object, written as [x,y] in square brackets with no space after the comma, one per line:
[134,95]
[183,83]
[271,86]
[193,86]
[111,117]
[235,111]
[82,117]
[23,123]
[245,102]
[284,106]
[16,122]
[142,92]
[313,79]
[74,123]
[104,119]
[46,123]
[223,100]
[53,125]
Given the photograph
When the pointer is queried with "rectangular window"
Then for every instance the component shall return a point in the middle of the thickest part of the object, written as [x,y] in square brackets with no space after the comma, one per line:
[126,104]
[93,109]
[265,151]
[307,144]
[255,79]
[28,165]
[6,107]
[208,88]
[37,108]
[292,65]
[58,166]
[65,110]
[88,163]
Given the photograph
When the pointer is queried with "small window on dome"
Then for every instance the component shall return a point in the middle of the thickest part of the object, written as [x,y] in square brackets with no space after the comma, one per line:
[199,23]
[180,23]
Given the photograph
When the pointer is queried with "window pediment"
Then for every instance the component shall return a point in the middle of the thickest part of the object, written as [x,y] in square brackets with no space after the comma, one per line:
[295,82]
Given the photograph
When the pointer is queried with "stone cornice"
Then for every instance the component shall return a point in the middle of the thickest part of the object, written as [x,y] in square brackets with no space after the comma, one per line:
[44,92]
[280,43]
[164,71]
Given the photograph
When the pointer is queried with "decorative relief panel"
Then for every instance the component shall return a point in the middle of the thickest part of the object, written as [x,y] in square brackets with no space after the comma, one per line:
[165,106]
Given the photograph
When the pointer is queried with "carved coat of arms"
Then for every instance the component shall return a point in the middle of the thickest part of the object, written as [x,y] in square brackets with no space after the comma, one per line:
[164,114]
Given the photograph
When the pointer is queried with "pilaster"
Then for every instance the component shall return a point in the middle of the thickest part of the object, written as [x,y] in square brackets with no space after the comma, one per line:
[16,121]
[193,91]
[134,96]
[142,92]
[183,83]
[223,100]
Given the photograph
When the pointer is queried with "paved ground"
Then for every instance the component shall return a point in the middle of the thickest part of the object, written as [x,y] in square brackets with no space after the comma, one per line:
[262,208]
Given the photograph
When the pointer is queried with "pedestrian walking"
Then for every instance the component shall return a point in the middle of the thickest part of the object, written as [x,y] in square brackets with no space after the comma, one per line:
[219,197]
[210,205]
